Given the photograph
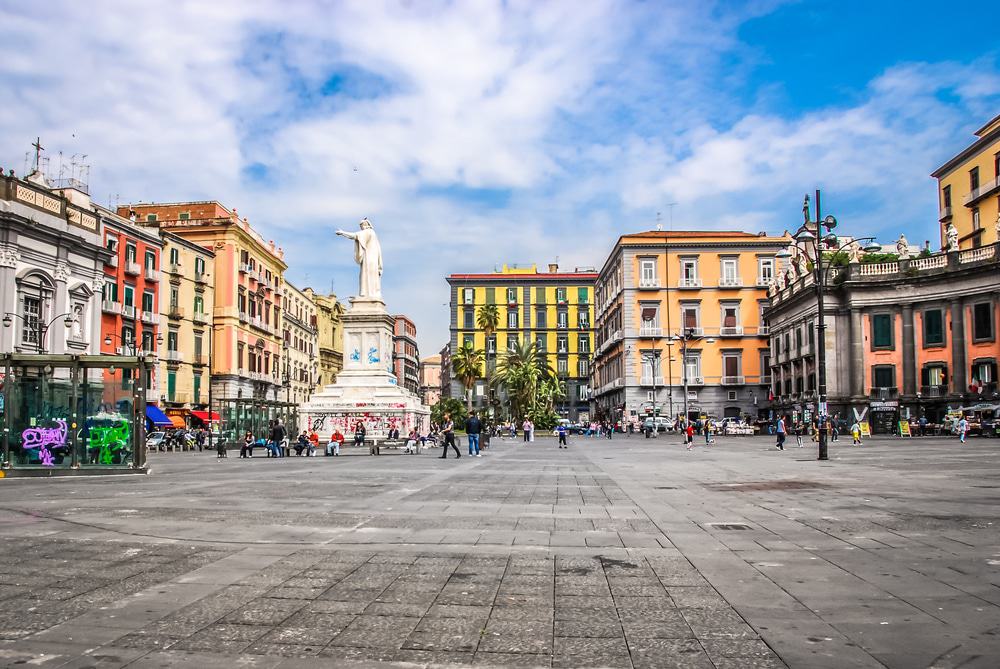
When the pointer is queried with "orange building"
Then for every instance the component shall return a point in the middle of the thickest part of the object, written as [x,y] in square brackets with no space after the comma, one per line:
[246,349]
[655,288]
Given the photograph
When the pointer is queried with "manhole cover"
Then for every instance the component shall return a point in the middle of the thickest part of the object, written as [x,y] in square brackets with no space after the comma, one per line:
[764,486]
[728,526]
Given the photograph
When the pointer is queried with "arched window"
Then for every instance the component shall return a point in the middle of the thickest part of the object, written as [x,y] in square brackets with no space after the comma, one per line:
[34,301]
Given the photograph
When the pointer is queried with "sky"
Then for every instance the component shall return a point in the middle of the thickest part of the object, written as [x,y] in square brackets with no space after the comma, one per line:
[478,133]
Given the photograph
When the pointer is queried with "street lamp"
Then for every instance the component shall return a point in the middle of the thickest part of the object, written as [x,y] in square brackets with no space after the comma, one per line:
[42,329]
[803,236]
[687,335]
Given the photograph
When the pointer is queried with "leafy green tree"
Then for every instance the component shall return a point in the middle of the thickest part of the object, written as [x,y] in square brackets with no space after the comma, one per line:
[467,363]
[449,405]
[520,372]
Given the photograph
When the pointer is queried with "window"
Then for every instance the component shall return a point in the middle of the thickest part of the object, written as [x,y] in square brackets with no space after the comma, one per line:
[933,327]
[112,243]
[151,218]
[197,345]
[934,376]
[150,260]
[491,344]
[468,296]
[147,341]
[468,341]
[239,356]
[731,364]
[647,272]
[882,331]
[129,294]
[110,292]
[562,344]
[171,386]
[562,320]
[540,319]
[649,314]
[973,178]
[31,310]
[562,366]
[147,301]
[199,265]
[199,304]
[512,319]
[512,296]
[730,318]
[583,344]
[469,318]
[798,338]
[690,316]
[982,321]
[975,219]
[692,366]
[581,367]
[883,376]
[946,196]
[175,298]
[689,271]
[582,295]
[984,372]
[130,253]
[729,272]
[175,257]
[776,345]
[996,164]
[765,270]
[765,363]
[540,342]
[172,340]
[491,295]
[583,319]
[540,295]
[197,388]
[511,342]
[561,295]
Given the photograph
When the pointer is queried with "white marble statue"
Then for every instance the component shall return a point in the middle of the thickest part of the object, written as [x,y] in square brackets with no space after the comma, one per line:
[368,254]
[952,234]
[854,252]
[902,247]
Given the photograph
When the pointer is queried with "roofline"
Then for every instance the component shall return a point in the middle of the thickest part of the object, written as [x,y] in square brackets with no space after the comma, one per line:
[177,239]
[968,152]
[133,205]
[586,276]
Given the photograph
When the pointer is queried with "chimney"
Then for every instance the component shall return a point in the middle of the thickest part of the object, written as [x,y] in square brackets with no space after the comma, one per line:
[553,268]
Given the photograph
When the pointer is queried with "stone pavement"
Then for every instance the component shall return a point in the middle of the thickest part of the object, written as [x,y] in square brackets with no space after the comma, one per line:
[628,553]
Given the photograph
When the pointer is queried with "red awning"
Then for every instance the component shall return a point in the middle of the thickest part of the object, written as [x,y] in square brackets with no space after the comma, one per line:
[203,416]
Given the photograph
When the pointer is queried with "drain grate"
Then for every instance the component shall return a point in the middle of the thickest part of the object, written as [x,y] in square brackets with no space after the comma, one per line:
[728,526]
[766,486]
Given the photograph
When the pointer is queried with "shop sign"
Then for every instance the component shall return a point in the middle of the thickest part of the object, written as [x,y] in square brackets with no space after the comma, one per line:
[884,405]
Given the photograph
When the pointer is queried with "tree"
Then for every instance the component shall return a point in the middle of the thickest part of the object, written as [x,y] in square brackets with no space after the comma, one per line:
[520,372]
[449,405]
[467,363]
[488,319]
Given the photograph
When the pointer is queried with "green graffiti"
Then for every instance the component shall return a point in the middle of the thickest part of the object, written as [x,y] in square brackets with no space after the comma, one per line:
[109,439]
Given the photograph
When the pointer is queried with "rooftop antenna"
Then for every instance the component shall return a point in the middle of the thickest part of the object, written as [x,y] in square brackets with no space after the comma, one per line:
[671,205]
[659,225]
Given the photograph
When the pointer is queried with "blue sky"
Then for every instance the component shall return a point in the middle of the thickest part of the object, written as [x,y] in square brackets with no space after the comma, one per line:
[478,133]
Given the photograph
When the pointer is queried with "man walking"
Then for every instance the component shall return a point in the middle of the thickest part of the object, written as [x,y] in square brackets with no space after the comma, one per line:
[963,428]
[561,431]
[277,436]
[781,433]
[473,428]
[448,428]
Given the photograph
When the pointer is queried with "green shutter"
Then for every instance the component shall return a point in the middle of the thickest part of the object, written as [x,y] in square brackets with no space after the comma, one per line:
[197,389]
[171,385]
[581,295]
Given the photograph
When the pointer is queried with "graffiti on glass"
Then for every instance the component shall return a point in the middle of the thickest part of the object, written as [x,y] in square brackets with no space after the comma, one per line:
[43,438]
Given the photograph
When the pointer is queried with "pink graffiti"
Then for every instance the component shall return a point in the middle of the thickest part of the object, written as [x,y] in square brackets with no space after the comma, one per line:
[43,437]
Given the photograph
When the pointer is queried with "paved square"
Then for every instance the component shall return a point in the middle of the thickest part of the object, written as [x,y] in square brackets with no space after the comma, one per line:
[622,553]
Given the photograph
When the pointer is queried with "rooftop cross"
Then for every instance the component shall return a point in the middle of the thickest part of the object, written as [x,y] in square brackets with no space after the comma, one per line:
[38,151]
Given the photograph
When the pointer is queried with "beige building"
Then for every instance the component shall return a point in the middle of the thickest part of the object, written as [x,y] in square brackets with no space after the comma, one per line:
[330,335]
[301,340]
[969,190]
[187,294]
[430,380]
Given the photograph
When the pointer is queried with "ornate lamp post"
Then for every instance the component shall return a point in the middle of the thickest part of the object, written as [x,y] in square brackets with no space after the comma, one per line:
[687,335]
[41,329]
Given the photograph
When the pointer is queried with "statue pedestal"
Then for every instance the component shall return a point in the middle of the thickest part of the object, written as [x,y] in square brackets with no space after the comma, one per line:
[366,389]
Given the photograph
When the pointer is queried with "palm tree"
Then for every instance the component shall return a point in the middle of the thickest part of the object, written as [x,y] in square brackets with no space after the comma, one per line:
[488,319]
[551,390]
[520,372]
[467,364]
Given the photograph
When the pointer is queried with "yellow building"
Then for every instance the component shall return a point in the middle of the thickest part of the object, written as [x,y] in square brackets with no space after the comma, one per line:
[330,336]
[656,287]
[301,341]
[969,190]
[554,309]
[187,294]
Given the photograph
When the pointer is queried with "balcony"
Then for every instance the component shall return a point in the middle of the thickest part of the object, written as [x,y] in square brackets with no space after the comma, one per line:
[765,380]
[883,393]
[152,274]
[175,312]
[200,317]
[133,268]
[733,331]
[646,331]
[200,277]
[651,381]
[649,283]
[689,283]
[128,311]
[764,281]
[111,307]
[243,317]
[730,282]
[944,214]
[201,360]
[112,261]
[150,318]
[733,380]
[245,268]
[174,356]
[985,189]
[764,331]
[175,269]
[934,391]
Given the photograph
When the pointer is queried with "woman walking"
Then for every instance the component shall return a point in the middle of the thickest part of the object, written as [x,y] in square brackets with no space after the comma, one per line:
[856,434]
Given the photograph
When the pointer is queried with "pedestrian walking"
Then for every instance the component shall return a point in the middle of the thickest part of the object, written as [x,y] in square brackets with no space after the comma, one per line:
[856,434]
[708,433]
[781,431]
[246,450]
[336,439]
[799,428]
[526,428]
[448,427]
[561,431]
[835,427]
[473,428]
[689,435]
[963,428]
[277,436]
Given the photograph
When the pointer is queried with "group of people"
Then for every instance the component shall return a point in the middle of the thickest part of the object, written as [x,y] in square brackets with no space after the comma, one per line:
[798,428]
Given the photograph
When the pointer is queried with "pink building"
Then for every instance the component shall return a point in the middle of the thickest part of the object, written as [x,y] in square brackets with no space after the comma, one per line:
[405,354]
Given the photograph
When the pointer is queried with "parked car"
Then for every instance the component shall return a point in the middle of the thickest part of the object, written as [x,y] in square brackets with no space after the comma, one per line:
[154,440]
